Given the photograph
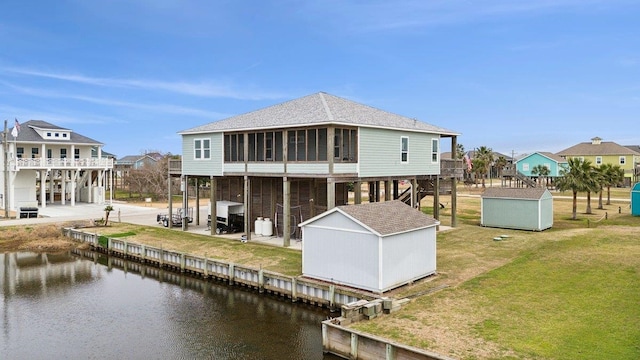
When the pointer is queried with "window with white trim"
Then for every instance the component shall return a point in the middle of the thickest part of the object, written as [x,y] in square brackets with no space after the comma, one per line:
[404,149]
[623,160]
[525,166]
[434,150]
[201,149]
[598,160]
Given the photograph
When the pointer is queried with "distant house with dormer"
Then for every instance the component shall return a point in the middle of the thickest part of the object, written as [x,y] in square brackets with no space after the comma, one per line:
[600,152]
[49,164]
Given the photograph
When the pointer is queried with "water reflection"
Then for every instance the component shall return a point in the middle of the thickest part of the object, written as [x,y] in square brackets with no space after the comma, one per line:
[63,306]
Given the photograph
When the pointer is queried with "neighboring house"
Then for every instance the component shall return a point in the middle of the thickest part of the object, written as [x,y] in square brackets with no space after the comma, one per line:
[375,246]
[517,208]
[297,159]
[135,162]
[124,165]
[636,170]
[49,164]
[549,160]
[600,152]
[495,172]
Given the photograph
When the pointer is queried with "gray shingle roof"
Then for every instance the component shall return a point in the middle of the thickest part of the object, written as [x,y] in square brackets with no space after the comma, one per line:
[316,109]
[514,193]
[28,134]
[635,148]
[553,156]
[590,149]
[388,217]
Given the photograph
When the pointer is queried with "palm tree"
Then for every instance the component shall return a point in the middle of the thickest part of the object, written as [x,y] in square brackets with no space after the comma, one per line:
[479,169]
[600,172]
[485,154]
[577,177]
[613,175]
[500,163]
[107,209]
[593,178]
[541,171]
[459,151]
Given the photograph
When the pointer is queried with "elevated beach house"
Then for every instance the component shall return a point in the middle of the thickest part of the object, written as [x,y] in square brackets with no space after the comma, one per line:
[530,164]
[45,164]
[600,152]
[294,160]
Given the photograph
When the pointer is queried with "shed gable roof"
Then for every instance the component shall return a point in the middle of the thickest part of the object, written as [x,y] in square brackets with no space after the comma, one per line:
[515,193]
[384,218]
[317,109]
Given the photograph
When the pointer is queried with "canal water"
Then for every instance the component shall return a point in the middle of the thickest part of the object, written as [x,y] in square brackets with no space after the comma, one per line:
[65,306]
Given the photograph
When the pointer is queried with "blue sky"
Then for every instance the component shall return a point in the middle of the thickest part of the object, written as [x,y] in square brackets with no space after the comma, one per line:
[517,76]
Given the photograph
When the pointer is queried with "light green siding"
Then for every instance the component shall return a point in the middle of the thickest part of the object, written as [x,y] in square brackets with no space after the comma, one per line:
[307,168]
[380,153]
[210,167]
[521,214]
[265,167]
[546,212]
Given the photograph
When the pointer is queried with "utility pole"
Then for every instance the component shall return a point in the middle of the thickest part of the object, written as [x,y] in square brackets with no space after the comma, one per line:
[5,148]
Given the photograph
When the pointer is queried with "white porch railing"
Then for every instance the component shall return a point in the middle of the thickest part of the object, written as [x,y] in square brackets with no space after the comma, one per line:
[62,163]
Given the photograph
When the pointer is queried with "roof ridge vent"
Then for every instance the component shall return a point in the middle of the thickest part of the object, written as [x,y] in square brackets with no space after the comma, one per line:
[326,107]
[596,141]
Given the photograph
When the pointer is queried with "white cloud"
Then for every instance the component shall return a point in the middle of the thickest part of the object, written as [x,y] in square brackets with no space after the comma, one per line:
[202,89]
[160,108]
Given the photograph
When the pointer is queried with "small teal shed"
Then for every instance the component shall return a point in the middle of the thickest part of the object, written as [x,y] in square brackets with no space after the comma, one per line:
[517,208]
[635,200]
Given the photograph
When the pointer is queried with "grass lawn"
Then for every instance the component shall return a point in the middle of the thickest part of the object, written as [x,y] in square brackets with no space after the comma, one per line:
[572,292]
[284,261]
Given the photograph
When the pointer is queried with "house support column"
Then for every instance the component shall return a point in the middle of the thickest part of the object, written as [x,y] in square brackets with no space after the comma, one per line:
[372,190]
[387,190]
[72,184]
[197,209]
[414,192]
[101,186]
[170,199]
[312,200]
[436,198]
[396,190]
[247,207]
[331,194]
[63,188]
[43,190]
[454,190]
[88,185]
[357,192]
[213,206]
[286,212]
[51,185]
[111,186]
[185,204]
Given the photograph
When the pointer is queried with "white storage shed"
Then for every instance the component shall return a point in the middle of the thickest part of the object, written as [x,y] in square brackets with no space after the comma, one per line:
[374,246]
